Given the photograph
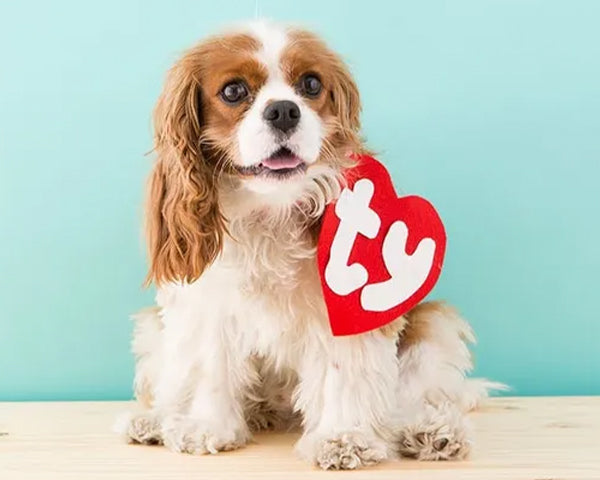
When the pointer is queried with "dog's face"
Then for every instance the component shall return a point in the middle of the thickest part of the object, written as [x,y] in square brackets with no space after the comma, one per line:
[263,110]
[271,101]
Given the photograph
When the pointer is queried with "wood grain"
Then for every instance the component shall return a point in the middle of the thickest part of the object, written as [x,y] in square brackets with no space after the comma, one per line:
[515,438]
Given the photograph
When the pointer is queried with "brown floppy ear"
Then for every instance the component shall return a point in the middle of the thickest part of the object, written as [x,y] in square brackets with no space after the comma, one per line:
[184,225]
[346,104]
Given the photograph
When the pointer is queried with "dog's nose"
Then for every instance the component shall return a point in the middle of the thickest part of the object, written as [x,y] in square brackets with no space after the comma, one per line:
[282,115]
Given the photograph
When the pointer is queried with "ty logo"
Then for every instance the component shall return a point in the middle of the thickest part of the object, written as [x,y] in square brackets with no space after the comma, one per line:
[379,255]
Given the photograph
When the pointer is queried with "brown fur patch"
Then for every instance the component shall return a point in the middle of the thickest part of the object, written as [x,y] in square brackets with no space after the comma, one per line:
[418,321]
[394,328]
[194,133]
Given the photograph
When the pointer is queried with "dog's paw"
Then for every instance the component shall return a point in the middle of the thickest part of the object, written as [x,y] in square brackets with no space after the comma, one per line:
[438,433]
[261,417]
[144,428]
[185,435]
[347,451]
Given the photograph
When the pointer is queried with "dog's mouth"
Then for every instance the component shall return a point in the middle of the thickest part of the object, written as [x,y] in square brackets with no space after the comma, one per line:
[281,164]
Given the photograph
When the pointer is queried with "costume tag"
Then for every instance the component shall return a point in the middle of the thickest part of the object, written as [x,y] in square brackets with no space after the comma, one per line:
[379,255]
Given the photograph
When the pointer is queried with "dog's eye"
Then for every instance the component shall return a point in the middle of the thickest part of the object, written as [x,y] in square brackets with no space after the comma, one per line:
[234,92]
[310,85]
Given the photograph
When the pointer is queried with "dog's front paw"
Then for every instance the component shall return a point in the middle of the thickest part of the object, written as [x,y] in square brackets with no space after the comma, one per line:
[144,428]
[438,433]
[347,451]
[186,435]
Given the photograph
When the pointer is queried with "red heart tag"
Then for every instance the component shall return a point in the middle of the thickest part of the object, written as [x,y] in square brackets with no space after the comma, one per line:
[378,255]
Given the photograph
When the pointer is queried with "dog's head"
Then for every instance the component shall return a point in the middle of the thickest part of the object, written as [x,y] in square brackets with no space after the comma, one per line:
[256,119]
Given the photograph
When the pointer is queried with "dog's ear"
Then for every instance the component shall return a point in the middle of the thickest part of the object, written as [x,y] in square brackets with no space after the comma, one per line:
[346,103]
[184,225]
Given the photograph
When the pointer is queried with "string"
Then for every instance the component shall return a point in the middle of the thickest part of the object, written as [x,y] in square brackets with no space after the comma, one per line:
[256,9]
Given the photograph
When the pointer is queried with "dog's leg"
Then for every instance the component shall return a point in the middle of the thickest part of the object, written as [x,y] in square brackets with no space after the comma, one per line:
[268,401]
[347,395]
[434,392]
[194,373]
[214,420]
[144,427]
[162,376]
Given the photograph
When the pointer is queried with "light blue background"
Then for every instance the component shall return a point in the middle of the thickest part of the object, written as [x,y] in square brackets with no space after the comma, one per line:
[491,108]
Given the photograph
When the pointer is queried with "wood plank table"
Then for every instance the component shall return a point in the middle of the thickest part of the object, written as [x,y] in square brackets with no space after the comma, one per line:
[515,438]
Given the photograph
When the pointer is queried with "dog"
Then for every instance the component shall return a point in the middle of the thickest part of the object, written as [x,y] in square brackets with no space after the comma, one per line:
[253,131]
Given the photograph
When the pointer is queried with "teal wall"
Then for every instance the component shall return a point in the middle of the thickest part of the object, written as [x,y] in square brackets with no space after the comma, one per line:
[491,108]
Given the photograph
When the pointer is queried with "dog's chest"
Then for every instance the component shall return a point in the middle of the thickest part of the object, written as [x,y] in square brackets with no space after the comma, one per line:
[277,290]
[270,261]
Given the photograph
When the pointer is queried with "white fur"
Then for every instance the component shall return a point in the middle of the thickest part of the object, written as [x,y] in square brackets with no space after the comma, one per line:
[248,345]
[434,370]
[273,39]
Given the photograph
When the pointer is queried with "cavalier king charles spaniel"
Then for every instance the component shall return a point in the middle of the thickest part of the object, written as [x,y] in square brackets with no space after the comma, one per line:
[253,131]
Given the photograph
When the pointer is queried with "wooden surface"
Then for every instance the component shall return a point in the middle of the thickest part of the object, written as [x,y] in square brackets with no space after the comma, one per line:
[515,438]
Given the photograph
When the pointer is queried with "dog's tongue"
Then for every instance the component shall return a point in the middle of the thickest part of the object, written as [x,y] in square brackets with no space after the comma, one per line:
[280,162]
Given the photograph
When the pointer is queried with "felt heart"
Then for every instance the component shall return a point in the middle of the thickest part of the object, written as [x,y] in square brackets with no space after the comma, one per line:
[378,255]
